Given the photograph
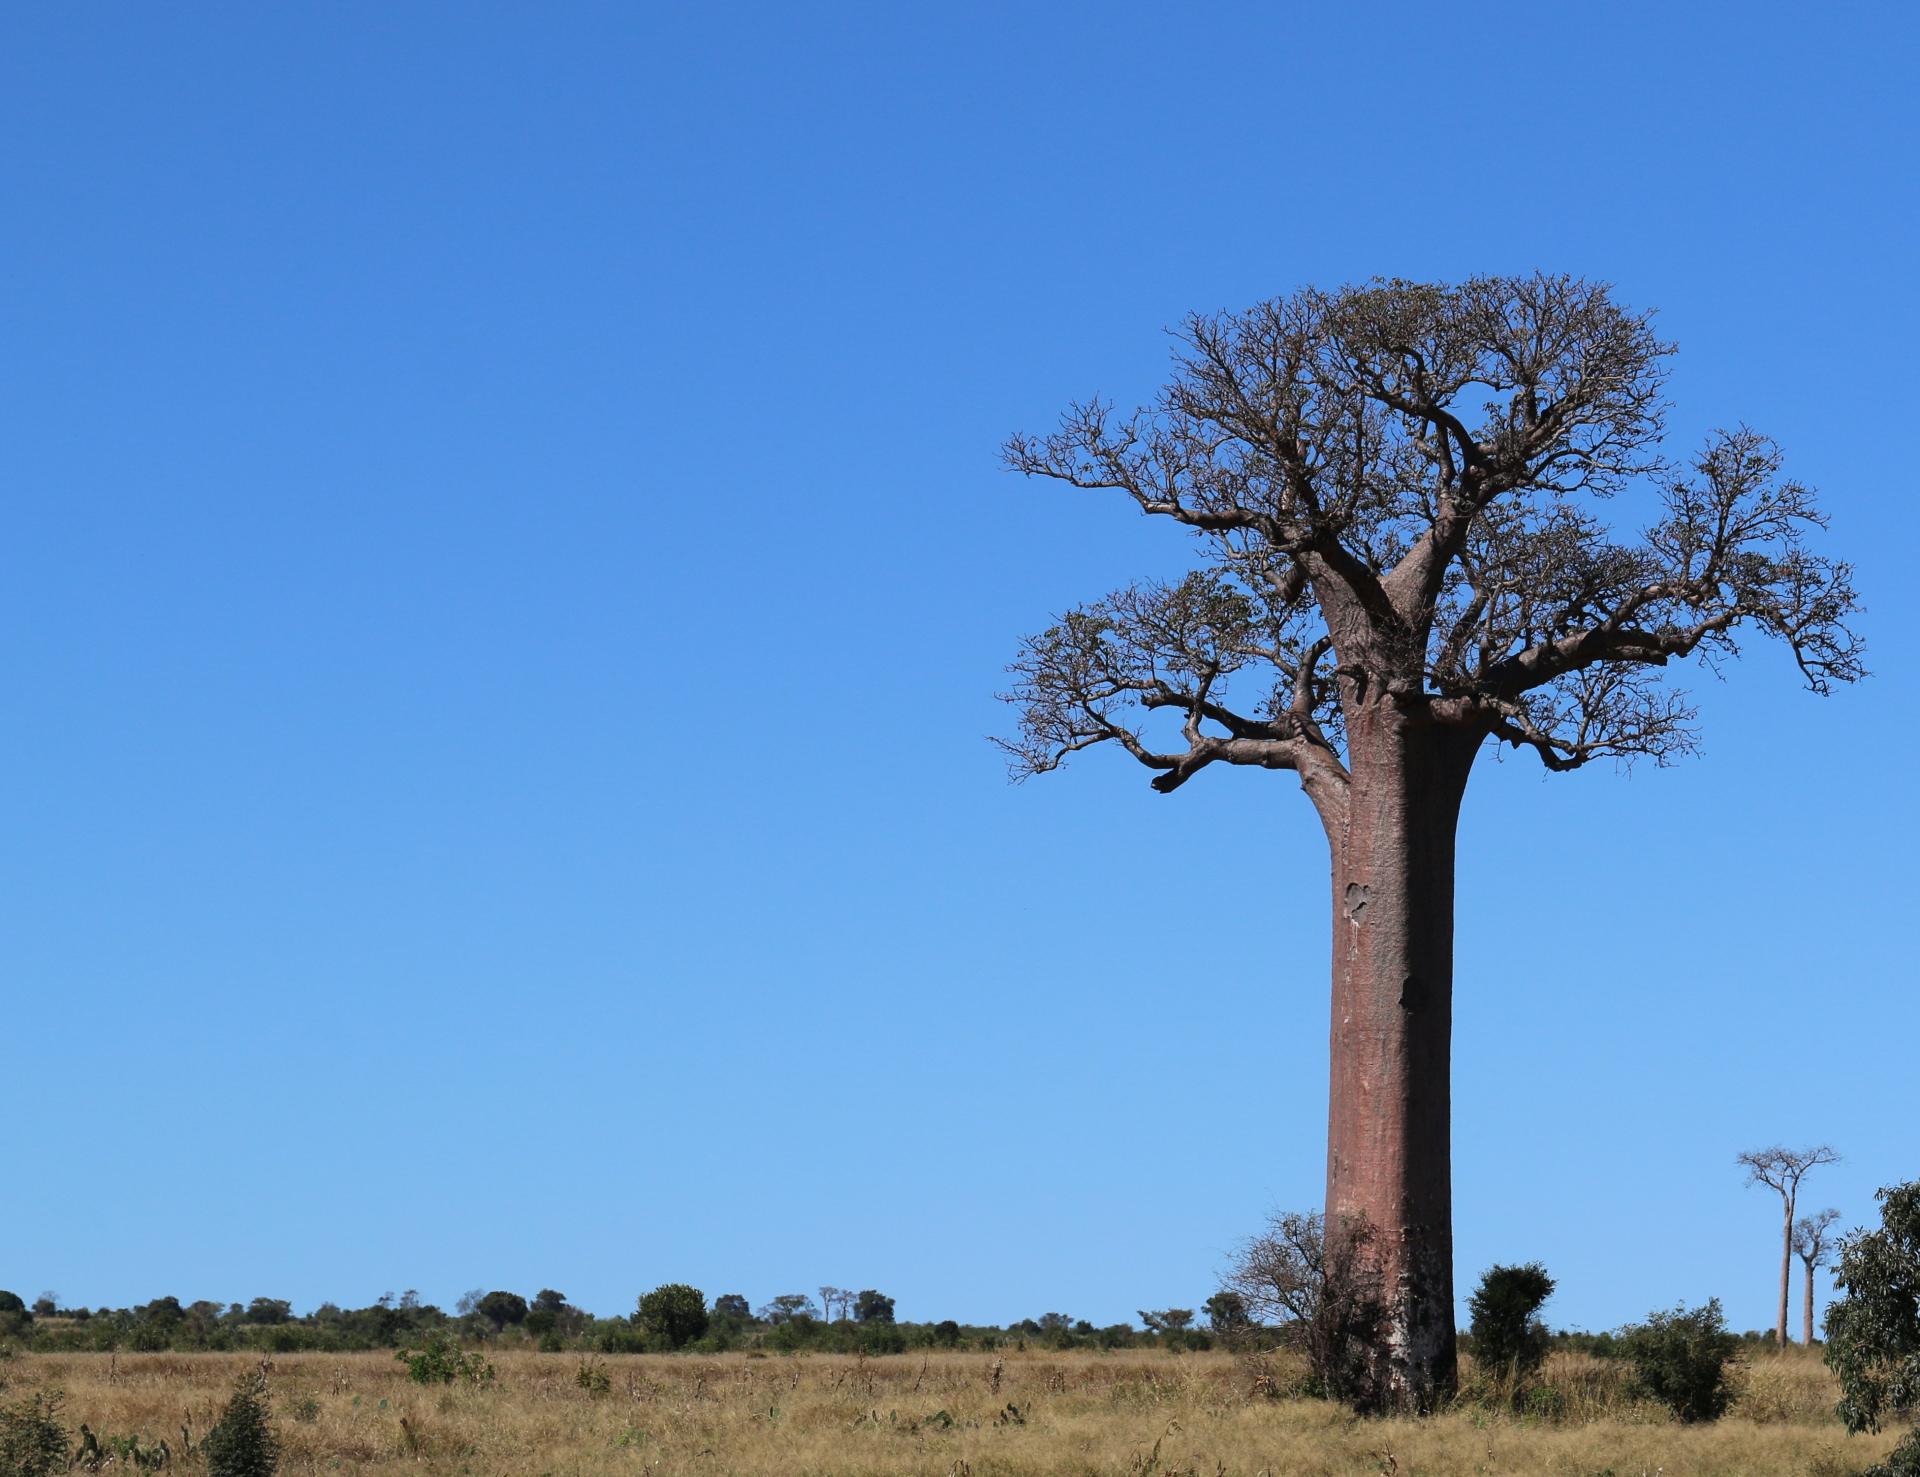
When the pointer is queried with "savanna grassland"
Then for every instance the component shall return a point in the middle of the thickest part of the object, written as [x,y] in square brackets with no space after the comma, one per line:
[944,1414]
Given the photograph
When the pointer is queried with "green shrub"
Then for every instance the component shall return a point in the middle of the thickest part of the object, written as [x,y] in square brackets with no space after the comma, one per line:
[440,1361]
[674,1313]
[33,1443]
[616,1338]
[878,1339]
[1680,1359]
[1509,1342]
[242,1442]
[592,1376]
[1902,1461]
[1873,1331]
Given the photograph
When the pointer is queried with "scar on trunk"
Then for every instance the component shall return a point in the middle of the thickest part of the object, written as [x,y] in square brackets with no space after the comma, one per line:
[1413,994]
[1357,895]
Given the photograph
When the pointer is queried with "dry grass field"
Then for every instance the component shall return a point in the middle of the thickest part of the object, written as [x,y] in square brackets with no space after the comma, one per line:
[946,1415]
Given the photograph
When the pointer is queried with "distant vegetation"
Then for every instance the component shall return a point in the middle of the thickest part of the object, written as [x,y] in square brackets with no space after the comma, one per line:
[673,1318]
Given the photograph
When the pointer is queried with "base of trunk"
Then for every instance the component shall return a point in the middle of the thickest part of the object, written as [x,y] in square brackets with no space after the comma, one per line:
[1385,1342]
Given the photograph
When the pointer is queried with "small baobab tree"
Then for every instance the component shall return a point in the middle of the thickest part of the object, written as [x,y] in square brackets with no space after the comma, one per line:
[1810,1245]
[1397,488]
[1781,1171]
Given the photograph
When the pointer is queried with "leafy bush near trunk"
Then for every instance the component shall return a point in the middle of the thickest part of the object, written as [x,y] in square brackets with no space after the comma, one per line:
[1509,1342]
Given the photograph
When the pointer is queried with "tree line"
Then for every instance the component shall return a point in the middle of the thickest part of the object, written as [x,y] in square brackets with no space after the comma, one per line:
[672,1317]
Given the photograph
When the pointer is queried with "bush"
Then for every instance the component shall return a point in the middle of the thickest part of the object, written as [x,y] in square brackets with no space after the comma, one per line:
[1509,1342]
[878,1338]
[592,1376]
[440,1361]
[15,1321]
[242,1442]
[1902,1461]
[620,1338]
[1680,1359]
[1873,1332]
[33,1443]
[674,1313]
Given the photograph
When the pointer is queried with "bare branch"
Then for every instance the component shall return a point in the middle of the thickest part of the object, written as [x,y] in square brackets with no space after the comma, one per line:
[1810,1238]
[1103,668]
[1782,1169]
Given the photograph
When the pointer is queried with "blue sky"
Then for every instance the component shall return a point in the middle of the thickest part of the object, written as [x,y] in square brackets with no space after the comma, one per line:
[505,571]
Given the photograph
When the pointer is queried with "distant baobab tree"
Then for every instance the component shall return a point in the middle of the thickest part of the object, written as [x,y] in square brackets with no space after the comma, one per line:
[1781,1170]
[835,1297]
[1810,1245]
[1396,492]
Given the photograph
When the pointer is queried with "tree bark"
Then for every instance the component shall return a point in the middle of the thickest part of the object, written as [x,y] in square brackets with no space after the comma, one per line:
[1806,1307]
[1388,1122]
[1786,1272]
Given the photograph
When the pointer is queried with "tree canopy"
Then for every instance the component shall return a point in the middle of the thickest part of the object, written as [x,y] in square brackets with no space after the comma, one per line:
[1398,488]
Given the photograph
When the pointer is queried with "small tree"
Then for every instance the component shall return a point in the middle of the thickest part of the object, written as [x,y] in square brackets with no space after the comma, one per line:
[673,1312]
[1227,1314]
[1508,1340]
[33,1442]
[1680,1359]
[1278,1274]
[870,1306]
[543,1314]
[1167,1320]
[501,1309]
[1326,1297]
[1781,1170]
[15,1320]
[732,1309]
[1873,1330]
[786,1307]
[1810,1245]
[242,1442]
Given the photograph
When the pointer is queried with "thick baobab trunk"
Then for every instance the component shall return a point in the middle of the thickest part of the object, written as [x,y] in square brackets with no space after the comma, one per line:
[1806,1309]
[1388,1136]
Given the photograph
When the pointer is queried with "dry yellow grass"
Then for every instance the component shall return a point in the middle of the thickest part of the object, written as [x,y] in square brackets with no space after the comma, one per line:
[947,1415]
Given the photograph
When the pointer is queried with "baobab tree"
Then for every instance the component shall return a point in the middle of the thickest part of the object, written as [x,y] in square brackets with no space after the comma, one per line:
[1396,491]
[1810,1245]
[1781,1170]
